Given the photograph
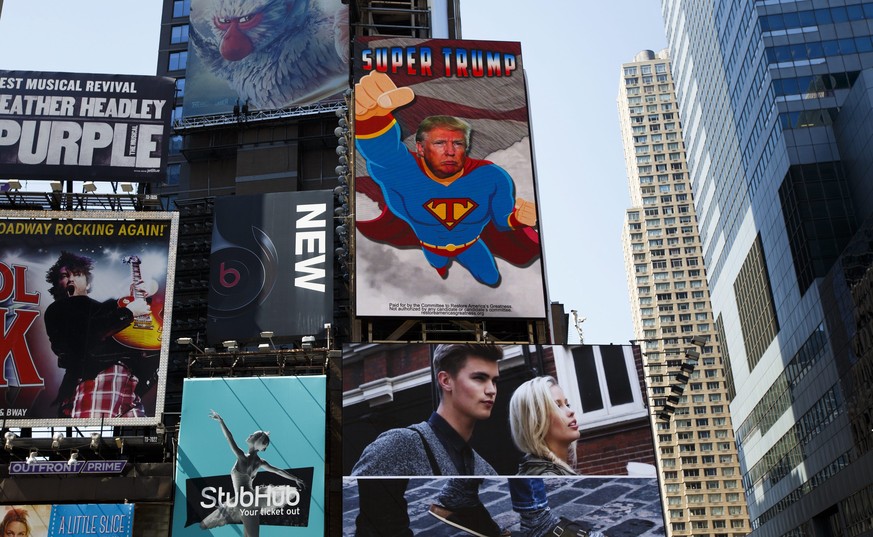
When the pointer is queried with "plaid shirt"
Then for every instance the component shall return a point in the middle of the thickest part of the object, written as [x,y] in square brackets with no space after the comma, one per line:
[111,394]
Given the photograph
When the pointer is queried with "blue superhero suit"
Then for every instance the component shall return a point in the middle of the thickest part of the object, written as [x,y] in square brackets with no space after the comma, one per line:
[449,222]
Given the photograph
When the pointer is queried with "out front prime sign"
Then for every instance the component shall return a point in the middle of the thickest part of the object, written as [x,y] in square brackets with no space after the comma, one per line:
[251,457]
[84,126]
[446,212]
[86,303]
[271,266]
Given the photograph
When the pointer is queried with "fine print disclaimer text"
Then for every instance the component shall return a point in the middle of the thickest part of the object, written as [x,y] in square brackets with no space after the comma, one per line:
[441,309]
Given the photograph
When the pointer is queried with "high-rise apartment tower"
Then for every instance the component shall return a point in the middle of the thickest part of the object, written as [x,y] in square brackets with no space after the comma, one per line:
[697,455]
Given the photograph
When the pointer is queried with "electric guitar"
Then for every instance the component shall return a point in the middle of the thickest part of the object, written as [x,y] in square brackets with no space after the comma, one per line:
[144,333]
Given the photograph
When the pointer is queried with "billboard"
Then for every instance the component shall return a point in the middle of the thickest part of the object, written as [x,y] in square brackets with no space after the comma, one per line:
[446,219]
[251,457]
[69,520]
[84,126]
[603,385]
[575,416]
[85,300]
[264,55]
[271,266]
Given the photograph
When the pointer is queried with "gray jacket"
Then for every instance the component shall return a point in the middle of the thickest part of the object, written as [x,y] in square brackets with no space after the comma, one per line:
[400,452]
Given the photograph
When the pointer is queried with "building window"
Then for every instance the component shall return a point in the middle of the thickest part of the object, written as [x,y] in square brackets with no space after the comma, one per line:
[179,34]
[178,61]
[180,87]
[175,145]
[604,380]
[173,172]
[181,8]
[758,320]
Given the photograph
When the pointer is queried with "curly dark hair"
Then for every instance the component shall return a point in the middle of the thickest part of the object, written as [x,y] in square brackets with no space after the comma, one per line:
[76,263]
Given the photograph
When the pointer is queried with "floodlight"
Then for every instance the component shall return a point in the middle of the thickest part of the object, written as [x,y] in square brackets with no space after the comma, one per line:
[308,342]
[95,440]
[32,457]
[56,440]
[127,187]
[74,456]
[9,436]
[89,186]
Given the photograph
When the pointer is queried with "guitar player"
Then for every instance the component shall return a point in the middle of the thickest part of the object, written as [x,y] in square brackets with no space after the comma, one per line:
[103,378]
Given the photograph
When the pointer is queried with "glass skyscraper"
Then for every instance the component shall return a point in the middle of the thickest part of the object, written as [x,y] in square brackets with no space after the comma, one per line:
[775,102]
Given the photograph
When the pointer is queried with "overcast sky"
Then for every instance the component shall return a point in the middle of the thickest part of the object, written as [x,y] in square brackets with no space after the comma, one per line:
[572,53]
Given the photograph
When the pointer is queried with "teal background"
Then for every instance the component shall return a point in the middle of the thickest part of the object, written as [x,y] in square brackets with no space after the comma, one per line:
[292,409]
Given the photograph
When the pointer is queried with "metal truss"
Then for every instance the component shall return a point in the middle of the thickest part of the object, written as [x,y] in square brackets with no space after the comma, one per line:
[183,125]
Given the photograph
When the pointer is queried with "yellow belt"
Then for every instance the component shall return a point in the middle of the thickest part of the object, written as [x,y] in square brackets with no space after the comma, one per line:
[449,247]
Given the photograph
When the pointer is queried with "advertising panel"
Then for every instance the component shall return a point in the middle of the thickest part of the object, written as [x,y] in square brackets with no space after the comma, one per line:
[264,55]
[71,520]
[602,384]
[85,301]
[251,457]
[575,416]
[84,126]
[446,212]
[271,266]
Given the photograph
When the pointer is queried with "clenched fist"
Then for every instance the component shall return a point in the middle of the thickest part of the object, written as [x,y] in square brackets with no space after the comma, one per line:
[525,212]
[377,95]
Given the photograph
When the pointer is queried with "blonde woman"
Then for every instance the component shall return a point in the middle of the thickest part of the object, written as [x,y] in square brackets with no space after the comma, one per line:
[544,427]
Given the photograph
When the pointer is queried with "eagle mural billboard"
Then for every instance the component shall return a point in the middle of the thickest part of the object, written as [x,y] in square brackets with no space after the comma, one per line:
[264,54]
[446,213]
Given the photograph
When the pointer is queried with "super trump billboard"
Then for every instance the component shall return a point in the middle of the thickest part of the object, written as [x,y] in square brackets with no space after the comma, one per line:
[264,54]
[251,457]
[84,126]
[446,211]
[85,303]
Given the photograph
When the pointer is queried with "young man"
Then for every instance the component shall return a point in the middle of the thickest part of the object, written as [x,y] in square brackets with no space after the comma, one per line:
[103,377]
[467,377]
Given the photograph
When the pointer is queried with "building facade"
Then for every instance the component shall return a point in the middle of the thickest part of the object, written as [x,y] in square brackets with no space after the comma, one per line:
[765,90]
[670,304]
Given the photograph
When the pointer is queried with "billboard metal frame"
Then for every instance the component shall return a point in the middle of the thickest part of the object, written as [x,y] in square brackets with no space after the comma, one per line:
[160,386]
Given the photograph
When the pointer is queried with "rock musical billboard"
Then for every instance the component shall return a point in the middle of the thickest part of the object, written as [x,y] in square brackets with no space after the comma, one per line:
[85,302]
[446,211]
[84,126]
[264,55]
[251,457]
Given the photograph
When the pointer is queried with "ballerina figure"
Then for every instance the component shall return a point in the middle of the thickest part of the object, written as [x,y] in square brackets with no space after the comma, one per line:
[242,475]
